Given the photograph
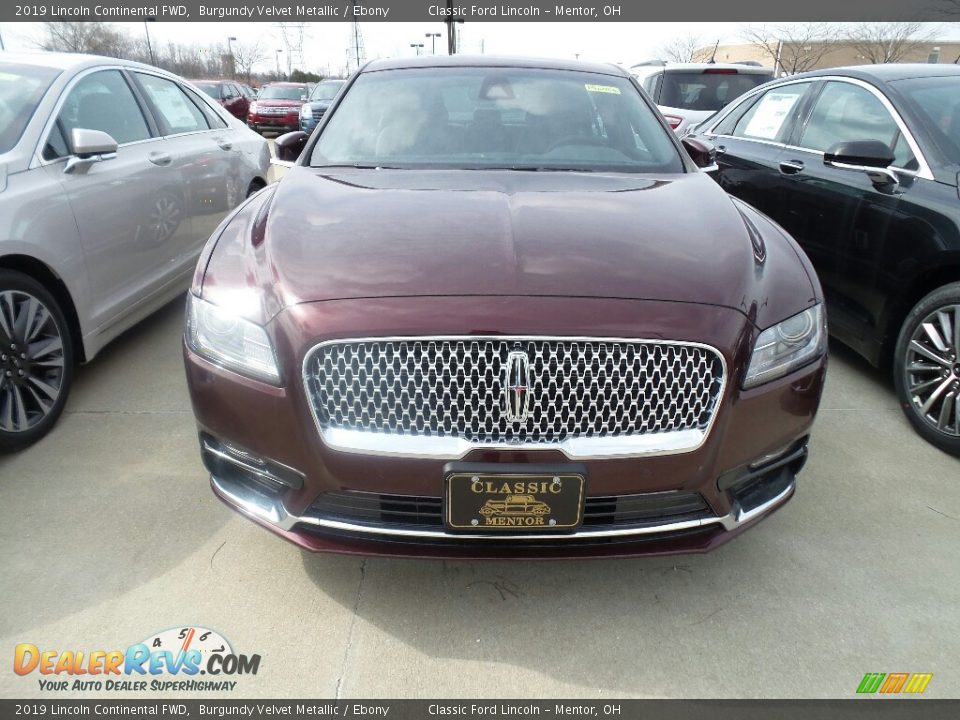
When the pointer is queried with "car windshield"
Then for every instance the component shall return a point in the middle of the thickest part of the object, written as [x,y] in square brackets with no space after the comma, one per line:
[706,90]
[937,100]
[326,91]
[21,87]
[211,89]
[282,92]
[484,118]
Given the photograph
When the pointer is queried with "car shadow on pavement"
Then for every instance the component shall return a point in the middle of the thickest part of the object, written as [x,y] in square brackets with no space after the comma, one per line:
[617,625]
[115,496]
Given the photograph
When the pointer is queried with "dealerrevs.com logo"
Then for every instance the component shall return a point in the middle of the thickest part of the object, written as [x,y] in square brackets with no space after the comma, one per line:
[168,661]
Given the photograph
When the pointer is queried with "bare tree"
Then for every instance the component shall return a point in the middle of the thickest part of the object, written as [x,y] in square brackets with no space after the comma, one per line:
[889,42]
[96,38]
[189,60]
[246,55]
[793,47]
[688,48]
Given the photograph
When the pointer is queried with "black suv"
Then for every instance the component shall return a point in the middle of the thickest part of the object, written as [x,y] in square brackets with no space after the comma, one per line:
[861,166]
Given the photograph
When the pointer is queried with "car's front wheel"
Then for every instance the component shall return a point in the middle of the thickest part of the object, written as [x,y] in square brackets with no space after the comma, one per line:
[36,360]
[927,367]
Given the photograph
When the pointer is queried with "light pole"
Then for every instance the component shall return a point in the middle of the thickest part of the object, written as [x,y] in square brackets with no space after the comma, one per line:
[417,46]
[279,50]
[233,62]
[433,42]
[146,29]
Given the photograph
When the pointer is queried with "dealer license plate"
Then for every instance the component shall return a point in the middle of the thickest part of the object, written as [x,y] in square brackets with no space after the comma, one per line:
[498,502]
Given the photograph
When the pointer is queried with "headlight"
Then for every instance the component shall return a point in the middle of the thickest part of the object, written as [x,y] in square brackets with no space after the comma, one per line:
[786,346]
[229,340]
[306,111]
[253,108]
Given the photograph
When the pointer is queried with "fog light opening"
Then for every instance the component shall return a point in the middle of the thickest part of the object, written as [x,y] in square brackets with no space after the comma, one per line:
[231,462]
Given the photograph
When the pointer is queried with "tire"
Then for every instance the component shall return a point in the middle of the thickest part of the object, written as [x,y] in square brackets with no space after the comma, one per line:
[37,372]
[926,368]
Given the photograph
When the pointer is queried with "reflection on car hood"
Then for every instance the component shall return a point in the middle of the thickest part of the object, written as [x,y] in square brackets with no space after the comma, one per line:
[329,235]
[401,233]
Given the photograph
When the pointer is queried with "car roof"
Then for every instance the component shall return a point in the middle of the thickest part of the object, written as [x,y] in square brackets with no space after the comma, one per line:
[68,61]
[651,68]
[888,72]
[442,61]
[286,83]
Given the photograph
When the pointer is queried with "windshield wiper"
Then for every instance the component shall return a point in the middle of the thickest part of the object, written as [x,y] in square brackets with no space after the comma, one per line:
[358,166]
[534,168]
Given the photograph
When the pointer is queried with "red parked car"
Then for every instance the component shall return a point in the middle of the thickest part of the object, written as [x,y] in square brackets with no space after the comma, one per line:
[227,93]
[277,107]
[497,309]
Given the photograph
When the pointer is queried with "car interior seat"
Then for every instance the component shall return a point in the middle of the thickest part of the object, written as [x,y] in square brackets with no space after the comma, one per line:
[486,133]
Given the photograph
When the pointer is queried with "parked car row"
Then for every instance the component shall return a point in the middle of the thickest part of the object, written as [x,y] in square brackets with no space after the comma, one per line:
[475,318]
[113,175]
[278,107]
[860,166]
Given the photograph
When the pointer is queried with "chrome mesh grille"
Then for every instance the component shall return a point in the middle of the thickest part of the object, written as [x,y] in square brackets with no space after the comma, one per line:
[456,388]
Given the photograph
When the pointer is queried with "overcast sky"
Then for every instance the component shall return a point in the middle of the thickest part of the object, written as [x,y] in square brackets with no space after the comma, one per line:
[326,43]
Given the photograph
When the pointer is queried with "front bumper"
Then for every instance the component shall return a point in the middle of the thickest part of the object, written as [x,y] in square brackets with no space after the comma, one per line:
[745,469]
[276,123]
[760,493]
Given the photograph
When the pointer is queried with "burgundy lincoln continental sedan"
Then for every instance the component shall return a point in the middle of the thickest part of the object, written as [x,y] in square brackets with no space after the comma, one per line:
[497,309]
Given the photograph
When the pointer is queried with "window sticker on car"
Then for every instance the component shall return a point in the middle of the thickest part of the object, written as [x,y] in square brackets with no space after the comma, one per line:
[603,89]
[770,115]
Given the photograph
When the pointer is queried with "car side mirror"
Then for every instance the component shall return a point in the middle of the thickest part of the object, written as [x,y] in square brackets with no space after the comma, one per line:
[89,147]
[303,97]
[289,146]
[703,153]
[872,157]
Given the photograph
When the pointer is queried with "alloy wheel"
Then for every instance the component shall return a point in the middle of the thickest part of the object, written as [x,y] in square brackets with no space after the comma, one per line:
[932,370]
[31,361]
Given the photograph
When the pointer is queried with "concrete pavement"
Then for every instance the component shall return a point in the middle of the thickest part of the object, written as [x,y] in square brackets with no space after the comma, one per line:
[109,533]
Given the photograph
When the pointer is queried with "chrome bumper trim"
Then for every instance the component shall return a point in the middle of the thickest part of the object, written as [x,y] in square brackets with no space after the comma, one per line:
[453,448]
[273,512]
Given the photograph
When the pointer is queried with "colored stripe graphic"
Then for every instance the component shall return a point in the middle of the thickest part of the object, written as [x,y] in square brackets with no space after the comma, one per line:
[871,682]
[918,682]
[894,683]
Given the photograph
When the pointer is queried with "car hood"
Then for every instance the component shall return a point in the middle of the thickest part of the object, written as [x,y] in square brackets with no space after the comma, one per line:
[400,233]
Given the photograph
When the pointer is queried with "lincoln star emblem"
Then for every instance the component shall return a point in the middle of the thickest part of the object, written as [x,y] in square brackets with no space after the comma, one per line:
[516,393]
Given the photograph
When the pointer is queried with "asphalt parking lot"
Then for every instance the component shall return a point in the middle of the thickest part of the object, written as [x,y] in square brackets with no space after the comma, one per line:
[109,533]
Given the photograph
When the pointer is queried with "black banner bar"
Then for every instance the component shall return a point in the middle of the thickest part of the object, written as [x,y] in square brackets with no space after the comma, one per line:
[873,708]
[483,11]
